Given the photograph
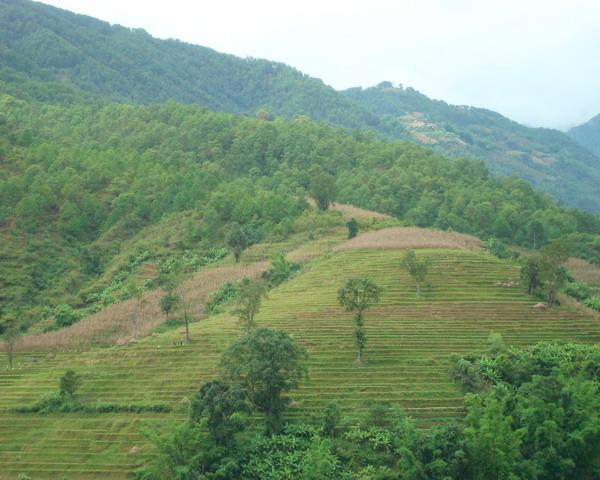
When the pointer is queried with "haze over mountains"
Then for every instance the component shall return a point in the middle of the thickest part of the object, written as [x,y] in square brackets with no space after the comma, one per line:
[53,55]
[588,134]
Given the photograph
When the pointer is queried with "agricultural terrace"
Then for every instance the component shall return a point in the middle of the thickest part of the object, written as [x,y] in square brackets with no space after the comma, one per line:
[467,295]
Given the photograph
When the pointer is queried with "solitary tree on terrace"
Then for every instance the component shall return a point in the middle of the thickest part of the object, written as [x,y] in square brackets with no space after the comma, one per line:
[552,268]
[356,296]
[417,269]
[248,302]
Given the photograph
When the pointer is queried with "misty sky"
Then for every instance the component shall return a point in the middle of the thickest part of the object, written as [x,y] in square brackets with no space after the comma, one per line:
[536,61]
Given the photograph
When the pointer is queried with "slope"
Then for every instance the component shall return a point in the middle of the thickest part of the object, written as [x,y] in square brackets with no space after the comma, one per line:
[89,193]
[469,294]
[547,158]
[588,134]
[53,55]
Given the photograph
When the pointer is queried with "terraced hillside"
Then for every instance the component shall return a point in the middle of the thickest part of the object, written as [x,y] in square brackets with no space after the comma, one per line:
[468,295]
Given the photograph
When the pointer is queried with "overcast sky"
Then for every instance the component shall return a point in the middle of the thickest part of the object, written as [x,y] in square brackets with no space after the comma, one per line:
[536,61]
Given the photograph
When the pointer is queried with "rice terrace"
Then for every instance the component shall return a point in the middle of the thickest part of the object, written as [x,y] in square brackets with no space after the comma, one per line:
[216,267]
[469,294]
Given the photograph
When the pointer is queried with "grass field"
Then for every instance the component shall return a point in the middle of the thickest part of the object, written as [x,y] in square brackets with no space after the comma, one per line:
[467,296]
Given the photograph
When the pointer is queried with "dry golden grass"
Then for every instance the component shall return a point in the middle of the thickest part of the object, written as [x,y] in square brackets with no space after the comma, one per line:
[397,238]
[584,271]
[115,324]
[350,211]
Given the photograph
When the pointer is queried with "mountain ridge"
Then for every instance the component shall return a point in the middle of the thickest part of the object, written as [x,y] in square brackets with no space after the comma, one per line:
[49,54]
[588,134]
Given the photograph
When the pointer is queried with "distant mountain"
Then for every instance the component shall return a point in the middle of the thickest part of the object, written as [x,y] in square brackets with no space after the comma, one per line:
[588,134]
[52,55]
[547,158]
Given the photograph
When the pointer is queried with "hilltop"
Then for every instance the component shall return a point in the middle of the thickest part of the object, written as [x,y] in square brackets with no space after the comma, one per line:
[52,55]
[588,134]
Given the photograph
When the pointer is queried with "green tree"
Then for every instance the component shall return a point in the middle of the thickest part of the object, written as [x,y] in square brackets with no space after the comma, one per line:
[492,445]
[135,292]
[323,189]
[69,383]
[332,417]
[10,336]
[530,275]
[64,315]
[266,363]
[352,225]
[223,406]
[416,268]
[173,281]
[248,301]
[239,239]
[536,233]
[356,296]
[169,302]
[552,268]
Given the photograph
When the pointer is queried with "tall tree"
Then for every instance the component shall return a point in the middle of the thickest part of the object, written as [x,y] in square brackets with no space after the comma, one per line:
[552,268]
[352,225]
[530,274]
[249,298]
[239,239]
[136,293]
[416,268]
[223,405]
[10,335]
[168,302]
[356,296]
[173,282]
[267,363]
[323,190]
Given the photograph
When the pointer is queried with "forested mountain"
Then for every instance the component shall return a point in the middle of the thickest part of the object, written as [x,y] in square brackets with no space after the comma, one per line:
[79,183]
[547,158]
[56,56]
[588,134]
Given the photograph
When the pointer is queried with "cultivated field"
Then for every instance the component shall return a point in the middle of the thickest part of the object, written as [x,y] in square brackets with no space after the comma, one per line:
[468,295]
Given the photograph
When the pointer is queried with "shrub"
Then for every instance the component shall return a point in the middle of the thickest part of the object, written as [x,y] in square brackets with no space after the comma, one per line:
[499,249]
[593,302]
[69,383]
[225,294]
[64,315]
[578,290]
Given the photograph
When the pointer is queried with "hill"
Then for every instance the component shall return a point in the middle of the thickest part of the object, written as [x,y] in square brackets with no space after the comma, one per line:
[547,158]
[53,55]
[588,134]
[468,295]
[91,195]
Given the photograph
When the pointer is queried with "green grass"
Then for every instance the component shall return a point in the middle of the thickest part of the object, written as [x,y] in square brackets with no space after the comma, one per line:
[409,342]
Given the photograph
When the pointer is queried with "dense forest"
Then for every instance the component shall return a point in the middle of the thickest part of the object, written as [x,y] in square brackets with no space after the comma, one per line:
[86,60]
[531,413]
[78,181]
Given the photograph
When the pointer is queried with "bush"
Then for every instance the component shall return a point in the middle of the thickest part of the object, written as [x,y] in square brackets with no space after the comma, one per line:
[578,290]
[225,294]
[593,302]
[69,383]
[499,249]
[64,315]
[281,270]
